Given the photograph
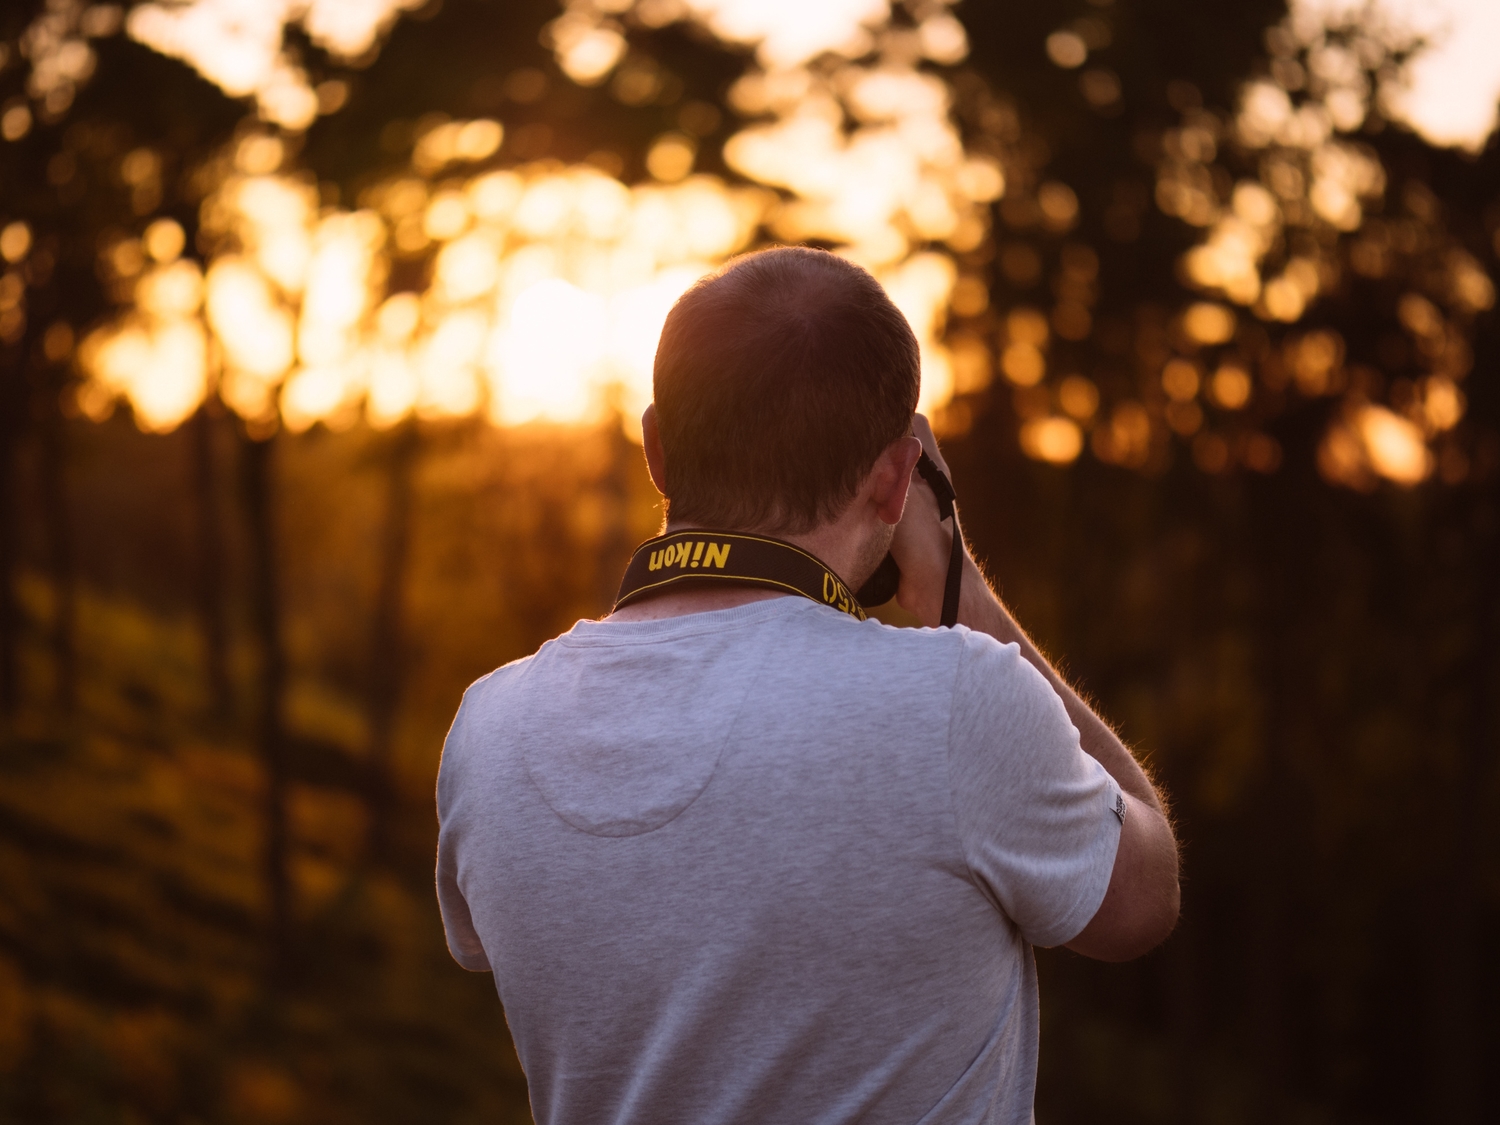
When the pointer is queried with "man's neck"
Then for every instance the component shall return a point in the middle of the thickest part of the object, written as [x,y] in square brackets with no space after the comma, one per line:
[836,544]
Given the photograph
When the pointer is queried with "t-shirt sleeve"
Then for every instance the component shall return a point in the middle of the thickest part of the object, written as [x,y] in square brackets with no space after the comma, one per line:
[458,924]
[1036,815]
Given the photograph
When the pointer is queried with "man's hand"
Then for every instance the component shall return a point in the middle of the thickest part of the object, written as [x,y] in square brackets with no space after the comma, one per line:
[1140,907]
[923,541]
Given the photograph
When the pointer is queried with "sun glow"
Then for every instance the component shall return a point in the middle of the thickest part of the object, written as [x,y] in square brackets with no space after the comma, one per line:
[548,289]
[546,285]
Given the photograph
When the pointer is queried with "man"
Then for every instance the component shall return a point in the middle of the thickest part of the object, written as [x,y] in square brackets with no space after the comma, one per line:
[733,855]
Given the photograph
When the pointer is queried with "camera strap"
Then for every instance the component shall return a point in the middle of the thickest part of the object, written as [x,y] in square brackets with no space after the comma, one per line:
[706,557]
[942,488]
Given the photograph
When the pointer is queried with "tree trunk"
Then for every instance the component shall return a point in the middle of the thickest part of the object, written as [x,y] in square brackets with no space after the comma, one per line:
[210,564]
[60,545]
[1274,520]
[9,534]
[615,544]
[15,416]
[270,736]
[1456,954]
[387,643]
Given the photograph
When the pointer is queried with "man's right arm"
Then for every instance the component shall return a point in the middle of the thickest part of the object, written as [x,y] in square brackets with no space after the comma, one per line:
[1143,899]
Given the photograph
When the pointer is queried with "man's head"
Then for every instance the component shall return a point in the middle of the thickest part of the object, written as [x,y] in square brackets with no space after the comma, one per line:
[779,382]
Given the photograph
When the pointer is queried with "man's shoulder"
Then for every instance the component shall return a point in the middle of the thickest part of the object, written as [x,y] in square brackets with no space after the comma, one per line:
[942,644]
[489,689]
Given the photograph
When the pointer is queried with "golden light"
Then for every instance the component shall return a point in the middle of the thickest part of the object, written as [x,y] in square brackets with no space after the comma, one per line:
[1255,205]
[494,196]
[788,33]
[15,122]
[1230,386]
[972,363]
[1369,442]
[15,241]
[456,141]
[398,317]
[1057,441]
[1442,402]
[1026,326]
[943,39]
[1059,204]
[544,356]
[586,52]
[259,154]
[447,365]
[1208,323]
[981,180]
[1314,358]
[271,217]
[164,240]
[1078,396]
[548,284]
[467,268]
[318,394]
[1282,300]
[12,289]
[1023,364]
[447,216]
[1393,445]
[1342,175]
[1471,287]
[1130,433]
[171,292]
[394,387]
[671,157]
[1067,49]
[252,326]
[971,296]
[175,356]
[920,287]
[1420,316]
[1312,180]
[57,341]
[1448,91]
[239,46]
[1180,379]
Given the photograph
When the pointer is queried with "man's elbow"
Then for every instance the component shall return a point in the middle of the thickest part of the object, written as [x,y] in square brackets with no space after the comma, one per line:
[1150,924]
[1144,898]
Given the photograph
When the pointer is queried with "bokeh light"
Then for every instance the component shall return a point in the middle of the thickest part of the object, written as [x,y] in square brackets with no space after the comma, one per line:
[849,138]
[547,284]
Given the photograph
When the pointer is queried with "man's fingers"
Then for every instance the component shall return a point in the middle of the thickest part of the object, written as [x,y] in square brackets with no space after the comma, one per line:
[923,429]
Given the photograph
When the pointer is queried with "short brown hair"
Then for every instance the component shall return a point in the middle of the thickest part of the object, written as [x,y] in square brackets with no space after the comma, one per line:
[778,381]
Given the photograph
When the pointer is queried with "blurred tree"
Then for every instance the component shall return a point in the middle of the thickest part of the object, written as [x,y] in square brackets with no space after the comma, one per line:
[388,651]
[210,562]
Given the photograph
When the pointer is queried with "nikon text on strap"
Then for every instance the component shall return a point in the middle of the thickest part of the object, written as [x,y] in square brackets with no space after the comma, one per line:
[705,557]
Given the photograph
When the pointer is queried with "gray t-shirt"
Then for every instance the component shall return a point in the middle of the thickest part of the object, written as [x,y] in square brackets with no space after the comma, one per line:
[770,864]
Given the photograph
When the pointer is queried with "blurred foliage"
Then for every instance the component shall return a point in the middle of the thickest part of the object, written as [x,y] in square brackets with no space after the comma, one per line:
[132,955]
[1243,314]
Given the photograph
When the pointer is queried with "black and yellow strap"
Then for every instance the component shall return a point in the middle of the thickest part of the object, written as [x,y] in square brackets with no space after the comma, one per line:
[705,557]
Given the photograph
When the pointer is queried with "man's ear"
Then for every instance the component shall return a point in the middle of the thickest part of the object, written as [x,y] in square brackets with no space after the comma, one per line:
[891,476]
[656,461]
